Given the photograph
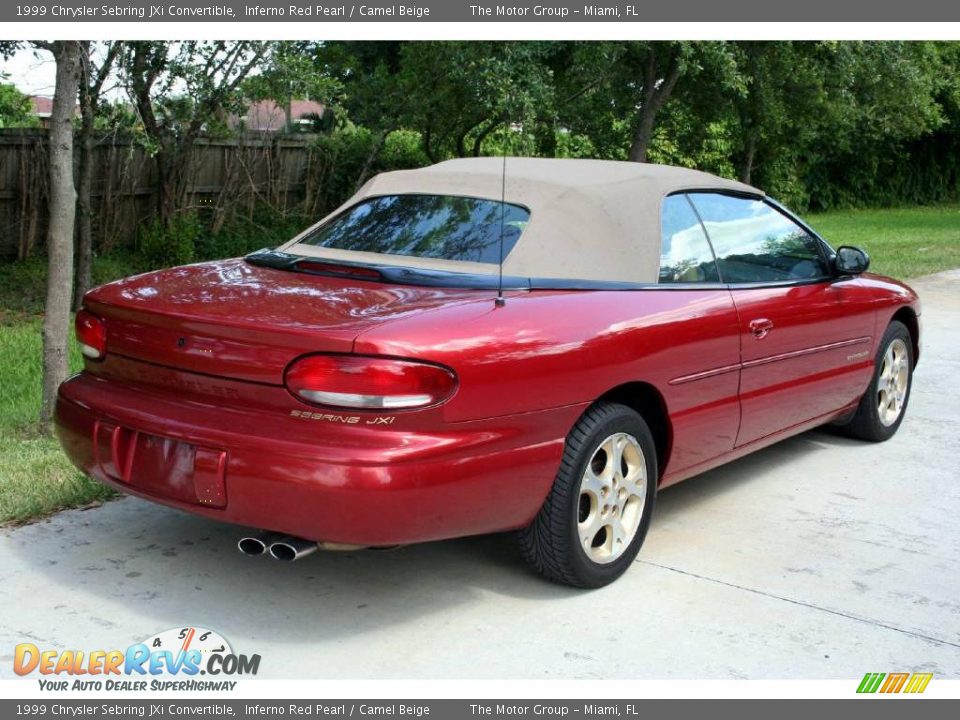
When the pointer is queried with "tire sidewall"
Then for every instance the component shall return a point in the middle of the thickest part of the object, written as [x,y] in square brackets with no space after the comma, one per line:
[625,421]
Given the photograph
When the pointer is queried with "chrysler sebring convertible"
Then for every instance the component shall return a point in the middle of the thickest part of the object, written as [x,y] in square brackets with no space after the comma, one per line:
[486,345]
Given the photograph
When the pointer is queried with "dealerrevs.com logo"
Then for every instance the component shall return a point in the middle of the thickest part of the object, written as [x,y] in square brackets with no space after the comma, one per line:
[170,660]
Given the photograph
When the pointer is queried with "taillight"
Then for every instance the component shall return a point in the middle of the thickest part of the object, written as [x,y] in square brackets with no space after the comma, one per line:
[373,383]
[91,334]
[350,271]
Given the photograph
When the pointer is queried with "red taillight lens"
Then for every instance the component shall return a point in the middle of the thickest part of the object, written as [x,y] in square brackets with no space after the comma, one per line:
[372,383]
[91,334]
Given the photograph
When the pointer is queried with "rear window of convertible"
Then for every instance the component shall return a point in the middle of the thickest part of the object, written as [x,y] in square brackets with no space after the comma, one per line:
[429,226]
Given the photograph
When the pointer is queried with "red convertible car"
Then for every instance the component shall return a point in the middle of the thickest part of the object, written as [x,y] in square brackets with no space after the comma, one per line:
[486,345]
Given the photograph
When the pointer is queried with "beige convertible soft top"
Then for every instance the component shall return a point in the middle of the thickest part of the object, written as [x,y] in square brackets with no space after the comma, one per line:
[589,219]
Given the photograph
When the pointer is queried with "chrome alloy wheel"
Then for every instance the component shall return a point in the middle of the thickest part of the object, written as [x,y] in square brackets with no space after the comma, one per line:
[613,492]
[893,382]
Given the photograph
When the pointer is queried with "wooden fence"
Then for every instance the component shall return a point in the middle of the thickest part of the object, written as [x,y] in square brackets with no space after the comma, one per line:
[225,177]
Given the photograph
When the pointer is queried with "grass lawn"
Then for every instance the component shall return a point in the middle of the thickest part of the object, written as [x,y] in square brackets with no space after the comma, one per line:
[36,479]
[901,242]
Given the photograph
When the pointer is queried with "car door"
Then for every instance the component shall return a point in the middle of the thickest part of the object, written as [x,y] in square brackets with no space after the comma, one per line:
[701,367]
[805,336]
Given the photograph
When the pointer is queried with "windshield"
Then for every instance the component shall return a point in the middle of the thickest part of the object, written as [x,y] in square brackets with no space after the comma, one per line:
[428,226]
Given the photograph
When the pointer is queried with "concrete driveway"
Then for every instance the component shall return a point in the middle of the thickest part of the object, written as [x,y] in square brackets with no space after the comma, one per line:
[820,557]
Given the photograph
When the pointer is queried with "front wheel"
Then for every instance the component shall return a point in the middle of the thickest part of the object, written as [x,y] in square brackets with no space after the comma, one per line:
[882,407]
[594,520]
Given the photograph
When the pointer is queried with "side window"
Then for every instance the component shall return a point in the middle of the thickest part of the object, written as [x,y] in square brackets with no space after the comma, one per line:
[756,243]
[685,254]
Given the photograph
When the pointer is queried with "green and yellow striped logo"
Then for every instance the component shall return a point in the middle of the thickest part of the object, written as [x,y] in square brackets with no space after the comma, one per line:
[894,682]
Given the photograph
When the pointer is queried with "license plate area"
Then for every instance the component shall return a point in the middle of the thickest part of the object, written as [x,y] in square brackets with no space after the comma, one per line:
[161,466]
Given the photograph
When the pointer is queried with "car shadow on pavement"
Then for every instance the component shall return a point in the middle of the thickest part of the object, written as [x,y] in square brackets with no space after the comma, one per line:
[683,496]
[132,559]
[148,566]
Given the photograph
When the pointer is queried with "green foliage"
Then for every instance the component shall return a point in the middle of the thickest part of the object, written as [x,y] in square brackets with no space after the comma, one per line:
[117,118]
[23,288]
[402,149]
[457,93]
[342,156]
[604,86]
[242,234]
[288,74]
[368,75]
[573,145]
[168,244]
[878,100]
[23,284]
[15,108]
[683,139]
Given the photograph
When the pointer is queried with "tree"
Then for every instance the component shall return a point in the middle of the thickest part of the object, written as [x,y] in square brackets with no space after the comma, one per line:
[290,75]
[878,96]
[56,320]
[368,77]
[179,89]
[15,108]
[14,105]
[458,93]
[94,74]
[778,112]
[615,92]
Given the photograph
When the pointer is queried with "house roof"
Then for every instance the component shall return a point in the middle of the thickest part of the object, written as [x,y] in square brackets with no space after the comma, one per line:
[267,116]
[42,106]
[589,219]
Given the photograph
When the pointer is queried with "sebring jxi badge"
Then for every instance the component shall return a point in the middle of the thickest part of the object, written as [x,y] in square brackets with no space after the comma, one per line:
[344,419]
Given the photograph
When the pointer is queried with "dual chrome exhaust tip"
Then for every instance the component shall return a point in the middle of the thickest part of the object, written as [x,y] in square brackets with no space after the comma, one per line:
[285,548]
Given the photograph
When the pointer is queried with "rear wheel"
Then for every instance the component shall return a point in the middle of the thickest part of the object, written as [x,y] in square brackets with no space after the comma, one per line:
[593,523]
[882,407]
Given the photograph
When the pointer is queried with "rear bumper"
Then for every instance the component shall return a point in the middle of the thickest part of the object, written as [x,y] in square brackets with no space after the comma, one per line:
[345,484]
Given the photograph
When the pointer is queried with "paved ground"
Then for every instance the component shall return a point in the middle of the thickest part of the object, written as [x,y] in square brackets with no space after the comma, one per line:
[820,558]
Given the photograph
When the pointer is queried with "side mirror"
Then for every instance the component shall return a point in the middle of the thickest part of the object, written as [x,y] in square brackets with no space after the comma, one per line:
[851,260]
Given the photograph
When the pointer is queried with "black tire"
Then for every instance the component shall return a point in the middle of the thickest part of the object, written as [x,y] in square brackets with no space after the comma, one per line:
[866,423]
[551,543]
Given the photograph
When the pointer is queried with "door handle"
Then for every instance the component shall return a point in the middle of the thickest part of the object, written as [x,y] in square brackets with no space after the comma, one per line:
[760,327]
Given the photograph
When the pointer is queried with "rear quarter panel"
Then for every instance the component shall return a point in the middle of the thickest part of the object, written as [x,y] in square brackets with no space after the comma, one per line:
[551,349]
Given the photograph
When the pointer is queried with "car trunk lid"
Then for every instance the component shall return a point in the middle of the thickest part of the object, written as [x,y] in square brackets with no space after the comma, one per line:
[233,319]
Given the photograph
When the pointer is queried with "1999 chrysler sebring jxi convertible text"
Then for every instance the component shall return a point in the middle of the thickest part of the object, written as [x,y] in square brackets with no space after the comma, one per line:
[363,384]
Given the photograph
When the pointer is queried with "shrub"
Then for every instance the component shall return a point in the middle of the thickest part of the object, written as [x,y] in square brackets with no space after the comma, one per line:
[266,227]
[172,244]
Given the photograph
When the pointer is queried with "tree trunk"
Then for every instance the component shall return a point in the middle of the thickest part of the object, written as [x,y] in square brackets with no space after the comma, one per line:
[56,321]
[84,218]
[92,78]
[84,189]
[427,141]
[482,135]
[749,153]
[378,143]
[167,184]
[654,96]
[641,139]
